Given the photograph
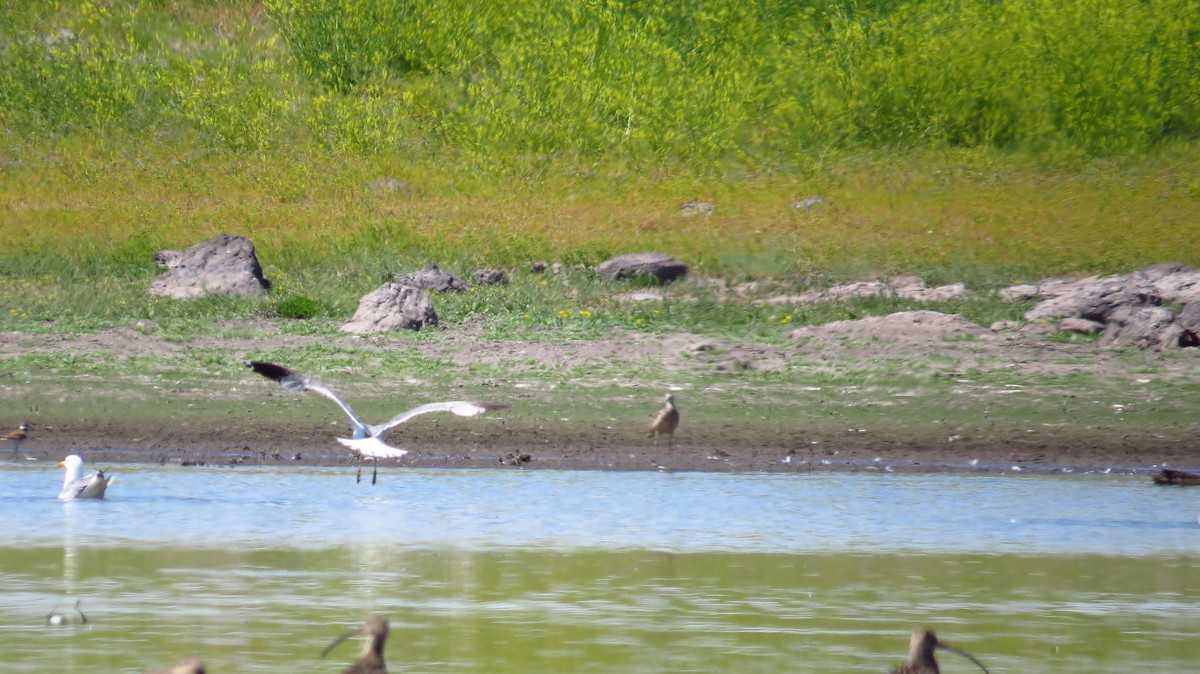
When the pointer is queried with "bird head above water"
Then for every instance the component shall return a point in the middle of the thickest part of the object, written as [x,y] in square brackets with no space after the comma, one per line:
[370,661]
[921,646]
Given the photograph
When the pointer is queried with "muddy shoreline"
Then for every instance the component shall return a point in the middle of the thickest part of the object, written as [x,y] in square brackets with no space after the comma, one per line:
[520,446]
[924,392]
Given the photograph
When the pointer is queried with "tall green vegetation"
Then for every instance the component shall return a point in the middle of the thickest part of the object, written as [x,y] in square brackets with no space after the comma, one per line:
[547,129]
[750,84]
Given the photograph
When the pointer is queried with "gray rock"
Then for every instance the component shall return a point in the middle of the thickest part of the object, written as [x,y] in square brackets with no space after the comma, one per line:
[1082,326]
[168,258]
[659,265]
[491,277]
[810,203]
[690,208]
[856,289]
[391,306]
[1144,327]
[433,277]
[914,288]
[1189,320]
[1181,286]
[1163,269]
[221,265]
[1096,300]
[1019,293]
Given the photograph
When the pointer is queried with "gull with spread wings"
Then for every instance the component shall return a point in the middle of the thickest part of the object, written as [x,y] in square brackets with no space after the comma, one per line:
[365,441]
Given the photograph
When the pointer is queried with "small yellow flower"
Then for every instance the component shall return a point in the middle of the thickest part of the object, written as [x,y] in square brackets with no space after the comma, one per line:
[585,313]
[657,312]
[565,313]
[786,319]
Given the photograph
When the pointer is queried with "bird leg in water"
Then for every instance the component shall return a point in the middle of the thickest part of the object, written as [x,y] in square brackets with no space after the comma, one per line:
[374,471]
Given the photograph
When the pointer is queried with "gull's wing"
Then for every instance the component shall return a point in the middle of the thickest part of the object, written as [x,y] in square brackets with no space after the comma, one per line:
[91,486]
[462,408]
[297,383]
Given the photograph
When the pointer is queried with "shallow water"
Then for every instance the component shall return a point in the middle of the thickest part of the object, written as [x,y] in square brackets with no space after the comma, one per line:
[561,571]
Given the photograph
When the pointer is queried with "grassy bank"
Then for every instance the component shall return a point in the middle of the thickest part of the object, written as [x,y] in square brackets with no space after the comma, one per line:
[980,142]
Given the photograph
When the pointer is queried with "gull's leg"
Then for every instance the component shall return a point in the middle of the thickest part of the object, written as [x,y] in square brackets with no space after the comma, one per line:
[358,477]
[374,471]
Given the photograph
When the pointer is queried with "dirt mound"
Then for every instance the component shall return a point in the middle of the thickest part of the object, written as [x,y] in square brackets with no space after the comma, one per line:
[904,326]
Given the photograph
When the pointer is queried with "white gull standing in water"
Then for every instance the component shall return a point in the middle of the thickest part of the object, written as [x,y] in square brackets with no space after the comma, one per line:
[75,485]
[365,442]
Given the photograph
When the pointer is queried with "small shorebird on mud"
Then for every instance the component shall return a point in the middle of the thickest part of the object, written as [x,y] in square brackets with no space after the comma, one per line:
[920,655]
[189,665]
[665,422]
[15,438]
[370,661]
[75,485]
[365,442]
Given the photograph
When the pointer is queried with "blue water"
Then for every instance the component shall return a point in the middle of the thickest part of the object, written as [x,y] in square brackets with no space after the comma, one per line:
[307,508]
[547,572]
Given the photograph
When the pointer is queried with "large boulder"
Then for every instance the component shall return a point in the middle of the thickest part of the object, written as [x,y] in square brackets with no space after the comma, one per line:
[221,265]
[659,266]
[1128,306]
[391,306]
[432,277]
[1143,327]
[1094,299]
[1180,285]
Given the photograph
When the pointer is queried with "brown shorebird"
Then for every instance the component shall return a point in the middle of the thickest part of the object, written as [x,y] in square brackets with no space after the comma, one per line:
[365,441]
[665,422]
[1172,476]
[189,665]
[370,661]
[16,437]
[920,654]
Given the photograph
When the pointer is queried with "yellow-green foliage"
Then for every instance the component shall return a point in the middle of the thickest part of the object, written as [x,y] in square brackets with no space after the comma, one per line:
[961,139]
[750,84]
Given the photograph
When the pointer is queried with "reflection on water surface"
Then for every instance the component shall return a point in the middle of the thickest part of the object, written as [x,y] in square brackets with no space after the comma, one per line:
[548,571]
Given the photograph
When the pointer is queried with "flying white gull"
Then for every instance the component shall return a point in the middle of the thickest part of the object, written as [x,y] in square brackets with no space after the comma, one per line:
[75,485]
[365,441]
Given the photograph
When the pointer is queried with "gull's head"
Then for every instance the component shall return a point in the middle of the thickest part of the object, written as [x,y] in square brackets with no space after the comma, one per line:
[74,466]
[24,427]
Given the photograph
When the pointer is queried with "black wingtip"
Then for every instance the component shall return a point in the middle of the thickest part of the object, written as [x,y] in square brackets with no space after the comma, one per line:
[269,370]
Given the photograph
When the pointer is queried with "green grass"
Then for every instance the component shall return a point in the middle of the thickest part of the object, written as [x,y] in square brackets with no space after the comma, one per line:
[988,143]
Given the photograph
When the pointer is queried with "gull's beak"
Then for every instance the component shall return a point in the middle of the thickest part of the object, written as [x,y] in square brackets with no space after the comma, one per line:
[62,464]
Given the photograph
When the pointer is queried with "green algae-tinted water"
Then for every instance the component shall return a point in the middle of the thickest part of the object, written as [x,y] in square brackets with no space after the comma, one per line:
[495,571]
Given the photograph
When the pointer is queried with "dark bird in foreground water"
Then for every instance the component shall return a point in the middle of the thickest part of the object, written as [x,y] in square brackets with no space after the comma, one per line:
[54,618]
[920,654]
[189,665]
[370,661]
[1172,476]
[665,422]
[365,442]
